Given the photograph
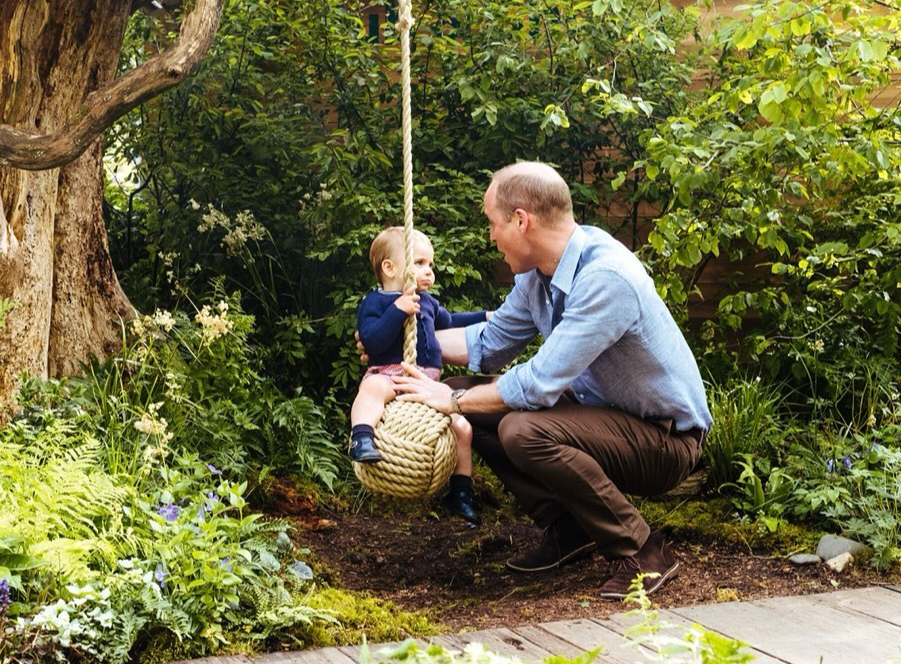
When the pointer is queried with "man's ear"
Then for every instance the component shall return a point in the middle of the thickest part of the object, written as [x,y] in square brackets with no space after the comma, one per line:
[522,219]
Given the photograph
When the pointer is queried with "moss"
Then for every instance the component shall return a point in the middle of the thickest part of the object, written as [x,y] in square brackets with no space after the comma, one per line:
[714,521]
[361,615]
[162,647]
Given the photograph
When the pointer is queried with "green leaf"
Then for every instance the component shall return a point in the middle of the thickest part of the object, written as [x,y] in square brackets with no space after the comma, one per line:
[617,182]
[746,37]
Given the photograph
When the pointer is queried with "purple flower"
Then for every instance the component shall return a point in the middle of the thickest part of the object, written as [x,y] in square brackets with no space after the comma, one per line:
[4,596]
[160,575]
[213,496]
[830,466]
[213,469]
[169,512]
[846,462]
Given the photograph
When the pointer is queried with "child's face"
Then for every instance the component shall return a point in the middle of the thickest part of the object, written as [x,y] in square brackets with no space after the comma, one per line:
[423,262]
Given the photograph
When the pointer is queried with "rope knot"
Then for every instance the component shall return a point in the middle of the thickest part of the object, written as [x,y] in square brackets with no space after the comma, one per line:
[404,22]
[405,16]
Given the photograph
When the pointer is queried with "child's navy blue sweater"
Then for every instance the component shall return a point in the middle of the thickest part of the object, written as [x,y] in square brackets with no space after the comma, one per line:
[381,327]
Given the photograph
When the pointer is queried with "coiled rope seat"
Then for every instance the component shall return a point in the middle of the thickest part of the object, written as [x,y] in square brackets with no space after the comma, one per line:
[417,444]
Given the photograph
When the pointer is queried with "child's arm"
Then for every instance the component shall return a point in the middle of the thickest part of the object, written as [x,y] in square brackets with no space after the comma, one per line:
[379,329]
[444,319]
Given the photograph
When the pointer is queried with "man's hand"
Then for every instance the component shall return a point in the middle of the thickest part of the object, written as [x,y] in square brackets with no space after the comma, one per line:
[420,388]
[408,302]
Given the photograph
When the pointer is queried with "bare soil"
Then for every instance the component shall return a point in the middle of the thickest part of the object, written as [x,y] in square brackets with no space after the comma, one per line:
[454,572]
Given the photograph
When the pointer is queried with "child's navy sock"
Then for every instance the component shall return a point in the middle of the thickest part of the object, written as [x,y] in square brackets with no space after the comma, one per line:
[461,483]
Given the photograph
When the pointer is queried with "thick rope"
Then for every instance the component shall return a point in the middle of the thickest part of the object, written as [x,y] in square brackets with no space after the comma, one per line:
[417,444]
[405,24]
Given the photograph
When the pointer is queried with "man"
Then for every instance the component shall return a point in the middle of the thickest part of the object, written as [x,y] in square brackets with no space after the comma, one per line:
[611,403]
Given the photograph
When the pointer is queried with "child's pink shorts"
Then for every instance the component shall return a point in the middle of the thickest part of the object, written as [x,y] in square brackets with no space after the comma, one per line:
[397,370]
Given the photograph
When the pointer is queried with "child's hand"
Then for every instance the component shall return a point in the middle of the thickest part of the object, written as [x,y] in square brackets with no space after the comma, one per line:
[408,302]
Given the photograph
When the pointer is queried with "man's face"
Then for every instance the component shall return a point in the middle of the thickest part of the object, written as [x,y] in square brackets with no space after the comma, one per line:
[504,232]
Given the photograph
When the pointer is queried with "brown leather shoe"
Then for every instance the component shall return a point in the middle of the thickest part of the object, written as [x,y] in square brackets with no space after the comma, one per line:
[655,557]
[563,542]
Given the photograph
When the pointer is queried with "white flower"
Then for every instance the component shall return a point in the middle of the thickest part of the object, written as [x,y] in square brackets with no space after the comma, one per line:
[137,326]
[164,320]
[214,325]
[194,204]
[153,425]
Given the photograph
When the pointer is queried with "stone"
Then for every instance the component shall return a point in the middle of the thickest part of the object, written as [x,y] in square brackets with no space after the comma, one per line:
[805,559]
[831,546]
[840,562]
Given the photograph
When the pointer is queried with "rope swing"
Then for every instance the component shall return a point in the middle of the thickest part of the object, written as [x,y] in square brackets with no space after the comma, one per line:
[416,441]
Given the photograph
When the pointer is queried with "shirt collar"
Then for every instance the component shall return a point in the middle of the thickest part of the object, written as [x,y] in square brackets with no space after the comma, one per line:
[569,261]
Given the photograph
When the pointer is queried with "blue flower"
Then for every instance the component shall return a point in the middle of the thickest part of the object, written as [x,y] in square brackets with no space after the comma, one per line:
[213,469]
[169,512]
[846,462]
[160,575]
[830,466]
[5,599]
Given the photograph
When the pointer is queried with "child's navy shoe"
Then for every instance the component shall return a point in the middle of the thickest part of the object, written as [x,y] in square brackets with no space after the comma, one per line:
[459,502]
[362,450]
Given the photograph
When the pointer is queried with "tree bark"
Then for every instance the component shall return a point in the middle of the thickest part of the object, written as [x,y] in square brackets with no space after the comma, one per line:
[58,92]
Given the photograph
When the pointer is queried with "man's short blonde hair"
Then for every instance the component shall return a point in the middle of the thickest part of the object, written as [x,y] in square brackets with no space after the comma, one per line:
[389,245]
[534,187]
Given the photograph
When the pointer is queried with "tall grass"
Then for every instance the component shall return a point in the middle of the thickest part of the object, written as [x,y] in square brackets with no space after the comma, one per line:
[745,421]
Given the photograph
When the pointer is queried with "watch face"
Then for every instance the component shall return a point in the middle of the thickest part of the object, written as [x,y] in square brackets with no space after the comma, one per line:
[456,394]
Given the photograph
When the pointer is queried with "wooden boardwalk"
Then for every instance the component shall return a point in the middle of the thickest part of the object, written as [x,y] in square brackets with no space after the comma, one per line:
[861,626]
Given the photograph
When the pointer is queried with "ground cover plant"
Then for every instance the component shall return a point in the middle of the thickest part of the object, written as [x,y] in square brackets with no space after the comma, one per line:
[135,492]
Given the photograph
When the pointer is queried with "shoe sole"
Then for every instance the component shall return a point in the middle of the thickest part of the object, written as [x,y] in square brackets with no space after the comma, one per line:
[568,558]
[367,459]
[659,581]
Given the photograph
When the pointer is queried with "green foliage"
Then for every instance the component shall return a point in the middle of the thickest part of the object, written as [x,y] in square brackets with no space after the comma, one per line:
[62,514]
[6,305]
[695,644]
[199,383]
[98,566]
[119,530]
[746,418]
[858,490]
[783,161]
[306,140]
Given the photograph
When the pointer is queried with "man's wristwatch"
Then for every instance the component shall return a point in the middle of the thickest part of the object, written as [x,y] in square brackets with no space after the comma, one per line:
[455,404]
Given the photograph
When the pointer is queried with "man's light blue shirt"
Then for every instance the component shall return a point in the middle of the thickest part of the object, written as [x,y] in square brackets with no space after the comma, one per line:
[608,336]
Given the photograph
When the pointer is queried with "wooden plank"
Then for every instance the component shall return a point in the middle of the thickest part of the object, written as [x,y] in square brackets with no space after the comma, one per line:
[353,652]
[879,603]
[801,630]
[502,641]
[590,634]
[314,656]
[621,622]
[224,659]
[546,641]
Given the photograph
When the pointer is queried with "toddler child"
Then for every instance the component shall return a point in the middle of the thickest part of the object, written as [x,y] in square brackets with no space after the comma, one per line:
[380,322]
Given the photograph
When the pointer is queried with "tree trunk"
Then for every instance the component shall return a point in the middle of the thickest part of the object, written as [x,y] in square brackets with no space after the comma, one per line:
[54,257]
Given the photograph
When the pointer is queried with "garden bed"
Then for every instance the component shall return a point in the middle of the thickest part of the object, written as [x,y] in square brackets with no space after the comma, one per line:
[456,574]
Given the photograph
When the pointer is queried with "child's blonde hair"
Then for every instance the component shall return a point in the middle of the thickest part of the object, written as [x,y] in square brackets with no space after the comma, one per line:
[389,245]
